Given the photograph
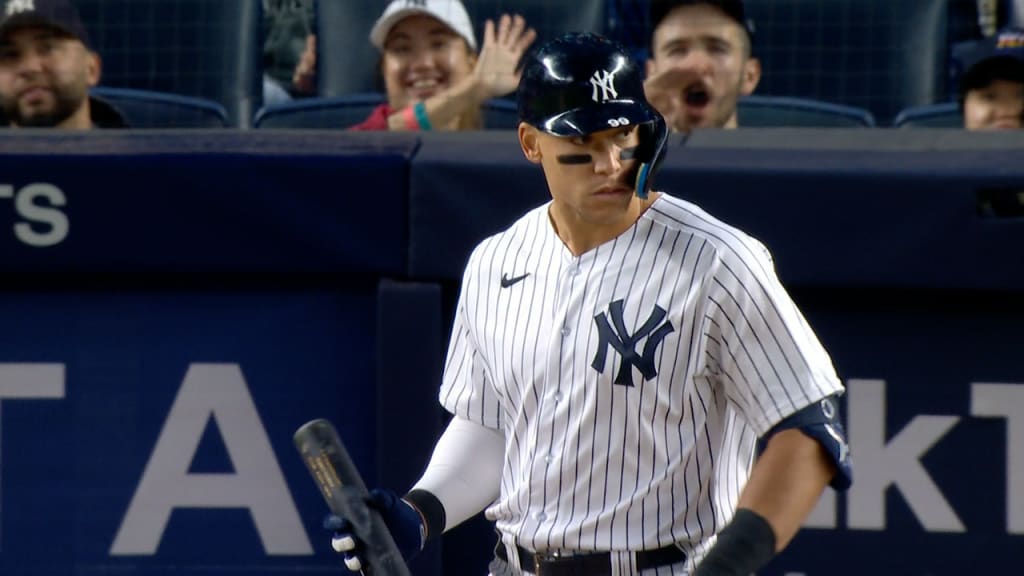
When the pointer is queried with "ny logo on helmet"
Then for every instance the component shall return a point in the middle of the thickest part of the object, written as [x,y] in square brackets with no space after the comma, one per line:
[603,80]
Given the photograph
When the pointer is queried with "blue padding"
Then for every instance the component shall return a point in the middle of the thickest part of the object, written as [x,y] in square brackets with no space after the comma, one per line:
[126,357]
[781,111]
[150,109]
[945,115]
[461,190]
[849,208]
[211,201]
[409,354]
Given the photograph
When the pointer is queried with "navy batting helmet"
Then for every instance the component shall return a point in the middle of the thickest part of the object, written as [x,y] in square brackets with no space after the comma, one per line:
[581,83]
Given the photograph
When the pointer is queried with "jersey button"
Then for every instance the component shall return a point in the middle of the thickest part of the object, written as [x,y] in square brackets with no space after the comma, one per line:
[548,458]
[557,396]
[565,331]
[540,516]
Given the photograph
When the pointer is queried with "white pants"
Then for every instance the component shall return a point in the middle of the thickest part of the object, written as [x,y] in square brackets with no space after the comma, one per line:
[499,567]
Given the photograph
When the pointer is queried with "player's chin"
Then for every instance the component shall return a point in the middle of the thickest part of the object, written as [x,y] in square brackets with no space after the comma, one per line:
[606,208]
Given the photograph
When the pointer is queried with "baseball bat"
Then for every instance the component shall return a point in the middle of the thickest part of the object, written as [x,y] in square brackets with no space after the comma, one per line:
[342,487]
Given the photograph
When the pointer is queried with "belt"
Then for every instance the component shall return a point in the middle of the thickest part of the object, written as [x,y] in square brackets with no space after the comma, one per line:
[588,564]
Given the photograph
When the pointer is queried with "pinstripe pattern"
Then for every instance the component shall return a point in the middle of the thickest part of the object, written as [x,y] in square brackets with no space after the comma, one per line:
[594,465]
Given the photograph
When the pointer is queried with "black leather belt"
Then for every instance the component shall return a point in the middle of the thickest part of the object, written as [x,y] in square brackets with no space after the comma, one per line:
[588,564]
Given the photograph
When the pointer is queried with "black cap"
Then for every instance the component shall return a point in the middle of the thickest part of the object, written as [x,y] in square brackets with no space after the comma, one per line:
[57,14]
[732,8]
[999,56]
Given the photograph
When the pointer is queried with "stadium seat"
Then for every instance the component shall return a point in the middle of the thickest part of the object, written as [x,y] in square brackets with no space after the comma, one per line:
[319,113]
[344,111]
[780,111]
[198,48]
[501,114]
[945,115]
[880,55]
[147,109]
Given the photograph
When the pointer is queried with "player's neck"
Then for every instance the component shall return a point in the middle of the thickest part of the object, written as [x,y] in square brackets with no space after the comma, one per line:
[581,236]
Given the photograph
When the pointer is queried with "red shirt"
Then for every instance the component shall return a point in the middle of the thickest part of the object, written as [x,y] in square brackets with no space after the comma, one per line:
[377,120]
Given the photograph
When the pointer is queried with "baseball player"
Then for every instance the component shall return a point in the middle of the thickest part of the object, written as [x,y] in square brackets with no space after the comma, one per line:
[616,355]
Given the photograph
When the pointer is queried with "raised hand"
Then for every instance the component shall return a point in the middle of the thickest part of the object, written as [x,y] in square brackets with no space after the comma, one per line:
[496,67]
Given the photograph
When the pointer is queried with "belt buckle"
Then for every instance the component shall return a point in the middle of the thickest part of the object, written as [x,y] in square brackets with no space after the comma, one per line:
[542,558]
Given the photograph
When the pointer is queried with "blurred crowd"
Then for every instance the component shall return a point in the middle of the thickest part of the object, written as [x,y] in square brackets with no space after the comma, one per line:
[435,73]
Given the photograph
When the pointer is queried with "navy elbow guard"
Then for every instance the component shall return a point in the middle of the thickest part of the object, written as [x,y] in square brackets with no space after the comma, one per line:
[821,422]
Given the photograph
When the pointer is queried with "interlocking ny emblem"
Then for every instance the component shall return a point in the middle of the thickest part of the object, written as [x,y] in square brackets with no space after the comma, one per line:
[624,343]
[604,81]
[17,6]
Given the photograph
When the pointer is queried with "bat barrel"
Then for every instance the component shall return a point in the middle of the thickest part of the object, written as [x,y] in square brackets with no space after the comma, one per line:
[342,487]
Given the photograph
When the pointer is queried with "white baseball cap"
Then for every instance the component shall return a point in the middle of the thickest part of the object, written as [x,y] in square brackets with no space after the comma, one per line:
[451,12]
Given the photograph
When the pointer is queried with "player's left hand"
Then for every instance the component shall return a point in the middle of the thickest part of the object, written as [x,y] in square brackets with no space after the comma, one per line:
[402,520]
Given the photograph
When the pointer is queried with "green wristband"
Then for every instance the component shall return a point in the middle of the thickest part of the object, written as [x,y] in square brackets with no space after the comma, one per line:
[420,110]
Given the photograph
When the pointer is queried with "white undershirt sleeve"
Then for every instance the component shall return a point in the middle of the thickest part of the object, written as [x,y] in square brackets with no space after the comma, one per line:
[465,470]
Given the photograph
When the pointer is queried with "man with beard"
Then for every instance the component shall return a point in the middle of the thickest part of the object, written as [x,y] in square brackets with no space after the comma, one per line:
[47,68]
[700,62]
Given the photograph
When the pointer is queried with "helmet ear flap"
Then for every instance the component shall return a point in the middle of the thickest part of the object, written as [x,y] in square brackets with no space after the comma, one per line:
[649,153]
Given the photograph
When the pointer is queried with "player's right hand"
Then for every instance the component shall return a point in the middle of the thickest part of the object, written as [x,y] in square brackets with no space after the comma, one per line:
[403,521]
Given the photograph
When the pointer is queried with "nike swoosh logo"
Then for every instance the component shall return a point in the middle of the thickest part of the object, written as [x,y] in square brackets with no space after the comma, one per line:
[506,281]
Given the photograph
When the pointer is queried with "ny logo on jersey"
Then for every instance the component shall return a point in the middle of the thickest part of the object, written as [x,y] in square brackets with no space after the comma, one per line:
[618,337]
[604,81]
[16,6]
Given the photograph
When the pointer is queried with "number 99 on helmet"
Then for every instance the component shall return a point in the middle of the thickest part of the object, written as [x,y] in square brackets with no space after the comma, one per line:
[581,83]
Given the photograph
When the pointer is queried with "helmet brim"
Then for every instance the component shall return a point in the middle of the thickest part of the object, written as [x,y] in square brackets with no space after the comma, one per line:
[611,114]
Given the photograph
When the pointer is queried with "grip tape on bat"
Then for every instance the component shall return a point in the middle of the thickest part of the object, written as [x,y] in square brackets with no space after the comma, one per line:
[343,489]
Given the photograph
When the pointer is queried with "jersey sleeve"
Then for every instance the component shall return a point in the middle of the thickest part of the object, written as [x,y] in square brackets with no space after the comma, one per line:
[466,388]
[761,350]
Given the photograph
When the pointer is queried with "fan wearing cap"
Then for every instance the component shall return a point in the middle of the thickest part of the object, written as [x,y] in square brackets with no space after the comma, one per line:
[992,88]
[700,62]
[47,68]
[432,74]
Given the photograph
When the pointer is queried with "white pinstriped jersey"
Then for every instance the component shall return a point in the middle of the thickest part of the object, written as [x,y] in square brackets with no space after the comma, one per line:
[631,382]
